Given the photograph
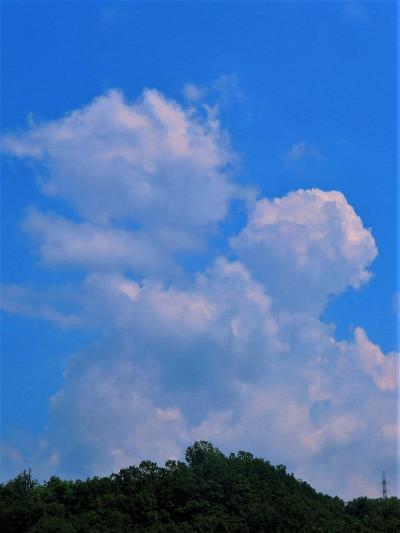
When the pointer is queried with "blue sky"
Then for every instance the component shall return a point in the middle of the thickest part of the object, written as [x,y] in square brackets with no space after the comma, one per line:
[146,267]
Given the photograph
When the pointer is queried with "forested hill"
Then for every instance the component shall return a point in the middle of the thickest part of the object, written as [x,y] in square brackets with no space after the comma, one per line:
[210,492]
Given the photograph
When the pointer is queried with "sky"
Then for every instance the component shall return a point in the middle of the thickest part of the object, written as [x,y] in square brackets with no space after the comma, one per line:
[200,211]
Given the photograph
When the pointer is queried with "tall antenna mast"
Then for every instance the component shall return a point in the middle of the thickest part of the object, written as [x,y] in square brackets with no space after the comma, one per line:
[384,487]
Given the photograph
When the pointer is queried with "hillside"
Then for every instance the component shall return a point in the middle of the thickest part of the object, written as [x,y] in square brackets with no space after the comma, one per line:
[210,492]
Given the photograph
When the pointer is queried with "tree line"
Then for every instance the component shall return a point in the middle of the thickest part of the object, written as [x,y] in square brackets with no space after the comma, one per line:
[209,492]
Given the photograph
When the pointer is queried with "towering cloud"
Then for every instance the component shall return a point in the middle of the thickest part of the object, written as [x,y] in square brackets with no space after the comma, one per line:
[236,354]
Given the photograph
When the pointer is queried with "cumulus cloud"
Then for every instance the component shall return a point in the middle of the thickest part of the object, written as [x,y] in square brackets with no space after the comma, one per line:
[147,164]
[306,246]
[384,370]
[215,361]
[68,243]
[193,336]
[100,396]
[236,354]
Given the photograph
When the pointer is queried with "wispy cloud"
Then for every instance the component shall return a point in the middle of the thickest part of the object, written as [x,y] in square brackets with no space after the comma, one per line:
[300,152]
[193,92]
[219,93]
[35,304]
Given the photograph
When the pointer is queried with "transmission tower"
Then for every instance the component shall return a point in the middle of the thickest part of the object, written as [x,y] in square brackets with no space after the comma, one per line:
[384,486]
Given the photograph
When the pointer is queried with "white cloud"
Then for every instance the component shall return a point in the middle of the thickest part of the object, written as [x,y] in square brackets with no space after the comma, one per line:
[223,304]
[115,405]
[215,361]
[236,354]
[149,394]
[134,157]
[384,370]
[306,246]
[64,242]
[149,164]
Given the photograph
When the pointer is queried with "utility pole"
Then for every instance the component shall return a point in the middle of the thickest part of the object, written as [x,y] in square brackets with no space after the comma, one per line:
[384,486]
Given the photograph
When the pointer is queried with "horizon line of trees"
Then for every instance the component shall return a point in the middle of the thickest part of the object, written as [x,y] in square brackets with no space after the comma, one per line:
[208,492]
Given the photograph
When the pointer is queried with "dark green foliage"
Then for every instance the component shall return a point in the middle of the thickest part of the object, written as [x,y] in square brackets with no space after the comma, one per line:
[210,492]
